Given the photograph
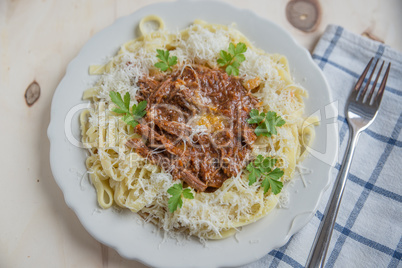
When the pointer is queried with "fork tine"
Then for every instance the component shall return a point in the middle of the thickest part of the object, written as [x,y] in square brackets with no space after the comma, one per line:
[361,79]
[368,82]
[381,90]
[375,83]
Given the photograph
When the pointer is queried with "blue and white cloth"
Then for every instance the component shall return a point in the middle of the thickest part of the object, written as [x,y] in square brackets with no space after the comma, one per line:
[368,230]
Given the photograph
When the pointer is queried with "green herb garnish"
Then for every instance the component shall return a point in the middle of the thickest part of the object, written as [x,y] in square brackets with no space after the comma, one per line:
[165,62]
[267,123]
[137,111]
[175,200]
[232,58]
[262,167]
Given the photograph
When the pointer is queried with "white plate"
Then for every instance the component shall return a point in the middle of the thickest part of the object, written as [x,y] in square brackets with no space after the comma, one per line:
[122,230]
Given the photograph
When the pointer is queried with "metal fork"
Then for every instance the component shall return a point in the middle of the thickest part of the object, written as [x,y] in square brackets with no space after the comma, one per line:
[361,110]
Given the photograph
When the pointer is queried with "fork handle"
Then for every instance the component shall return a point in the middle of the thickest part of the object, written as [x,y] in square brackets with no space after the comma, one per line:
[323,237]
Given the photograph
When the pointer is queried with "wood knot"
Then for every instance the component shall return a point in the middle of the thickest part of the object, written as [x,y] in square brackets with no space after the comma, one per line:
[32,93]
[304,15]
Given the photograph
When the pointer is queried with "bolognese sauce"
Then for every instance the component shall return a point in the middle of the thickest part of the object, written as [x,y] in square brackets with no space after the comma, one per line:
[196,125]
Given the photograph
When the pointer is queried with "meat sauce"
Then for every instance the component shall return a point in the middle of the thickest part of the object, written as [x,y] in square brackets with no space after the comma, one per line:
[196,125]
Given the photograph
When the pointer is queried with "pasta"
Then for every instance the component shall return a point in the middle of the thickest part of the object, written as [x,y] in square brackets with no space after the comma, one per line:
[123,177]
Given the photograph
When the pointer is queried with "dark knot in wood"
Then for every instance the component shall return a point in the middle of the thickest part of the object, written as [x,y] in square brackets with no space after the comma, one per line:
[304,15]
[32,93]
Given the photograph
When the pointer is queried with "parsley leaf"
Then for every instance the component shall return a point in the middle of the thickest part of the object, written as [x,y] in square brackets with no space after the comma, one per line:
[272,180]
[255,117]
[232,58]
[267,123]
[188,194]
[165,62]
[262,167]
[254,174]
[137,111]
[232,70]
[272,120]
[240,48]
[116,98]
[176,191]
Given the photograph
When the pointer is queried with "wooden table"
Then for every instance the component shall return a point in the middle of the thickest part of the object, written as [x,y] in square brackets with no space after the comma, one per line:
[37,41]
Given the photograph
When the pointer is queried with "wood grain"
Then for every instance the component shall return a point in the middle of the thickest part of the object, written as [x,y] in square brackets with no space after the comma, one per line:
[38,38]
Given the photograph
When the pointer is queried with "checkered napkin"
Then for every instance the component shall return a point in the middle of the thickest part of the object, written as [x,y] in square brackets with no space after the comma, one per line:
[368,229]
